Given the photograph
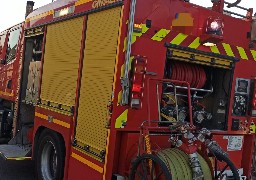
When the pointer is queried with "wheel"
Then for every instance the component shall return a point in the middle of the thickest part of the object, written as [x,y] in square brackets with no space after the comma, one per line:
[50,156]
[149,167]
[219,171]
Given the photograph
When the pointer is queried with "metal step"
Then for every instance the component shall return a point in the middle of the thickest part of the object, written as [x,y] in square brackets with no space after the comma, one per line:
[15,152]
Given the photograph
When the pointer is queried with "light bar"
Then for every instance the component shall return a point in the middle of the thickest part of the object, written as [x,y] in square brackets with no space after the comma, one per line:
[64,11]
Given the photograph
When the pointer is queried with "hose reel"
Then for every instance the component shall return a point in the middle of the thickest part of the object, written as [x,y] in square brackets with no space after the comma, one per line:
[183,160]
[166,164]
[178,164]
[174,164]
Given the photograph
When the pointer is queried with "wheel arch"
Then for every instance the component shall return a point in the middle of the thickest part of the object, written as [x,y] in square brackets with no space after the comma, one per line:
[39,131]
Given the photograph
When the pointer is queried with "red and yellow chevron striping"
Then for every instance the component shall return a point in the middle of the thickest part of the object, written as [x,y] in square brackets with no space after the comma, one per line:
[194,42]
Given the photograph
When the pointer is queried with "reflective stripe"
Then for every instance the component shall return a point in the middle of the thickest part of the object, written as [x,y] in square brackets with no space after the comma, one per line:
[64,124]
[130,66]
[228,49]
[119,98]
[88,163]
[6,94]
[80,2]
[106,159]
[160,35]
[56,121]
[121,119]
[179,39]
[253,54]
[215,49]
[242,52]
[195,44]
[41,116]
[118,49]
[136,35]
[144,28]
[19,158]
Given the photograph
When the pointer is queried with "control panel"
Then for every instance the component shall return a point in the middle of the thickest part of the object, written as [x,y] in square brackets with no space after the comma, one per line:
[241,97]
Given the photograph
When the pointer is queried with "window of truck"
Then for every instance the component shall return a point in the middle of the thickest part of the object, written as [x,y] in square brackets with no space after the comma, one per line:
[12,45]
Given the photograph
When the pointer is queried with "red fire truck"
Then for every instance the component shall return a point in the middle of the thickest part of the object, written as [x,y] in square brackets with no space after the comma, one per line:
[132,89]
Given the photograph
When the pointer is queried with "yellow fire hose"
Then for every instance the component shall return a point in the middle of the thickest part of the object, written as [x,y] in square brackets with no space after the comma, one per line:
[178,164]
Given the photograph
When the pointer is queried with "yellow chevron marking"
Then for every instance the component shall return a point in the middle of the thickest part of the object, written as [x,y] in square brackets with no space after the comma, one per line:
[253,54]
[195,44]
[56,121]
[242,53]
[88,163]
[119,98]
[215,49]
[121,119]
[122,70]
[144,29]
[130,66]
[201,58]
[179,39]
[160,35]
[228,49]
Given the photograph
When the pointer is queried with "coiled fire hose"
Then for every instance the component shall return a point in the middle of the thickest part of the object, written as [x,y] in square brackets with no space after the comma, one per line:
[178,164]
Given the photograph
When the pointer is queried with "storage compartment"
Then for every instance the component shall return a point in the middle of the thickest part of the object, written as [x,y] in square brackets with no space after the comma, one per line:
[97,81]
[31,68]
[209,87]
[60,65]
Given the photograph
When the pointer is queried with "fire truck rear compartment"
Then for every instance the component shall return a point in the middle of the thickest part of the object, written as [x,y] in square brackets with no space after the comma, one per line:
[210,86]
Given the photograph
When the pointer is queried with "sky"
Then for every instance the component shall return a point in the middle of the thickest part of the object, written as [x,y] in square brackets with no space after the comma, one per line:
[13,11]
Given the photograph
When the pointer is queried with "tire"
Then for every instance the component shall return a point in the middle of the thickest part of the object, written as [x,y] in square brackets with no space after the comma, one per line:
[155,160]
[50,156]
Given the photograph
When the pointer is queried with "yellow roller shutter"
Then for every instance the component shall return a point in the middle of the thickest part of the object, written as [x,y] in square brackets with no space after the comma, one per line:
[97,78]
[61,62]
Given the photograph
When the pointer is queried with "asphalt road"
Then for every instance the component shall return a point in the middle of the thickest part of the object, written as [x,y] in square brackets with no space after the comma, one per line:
[17,170]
